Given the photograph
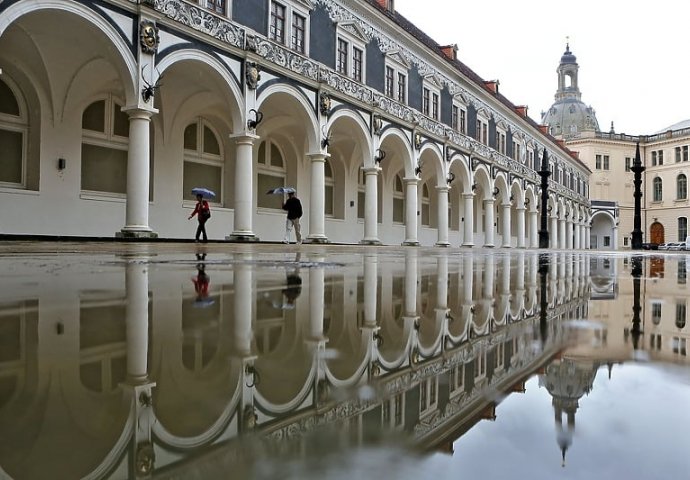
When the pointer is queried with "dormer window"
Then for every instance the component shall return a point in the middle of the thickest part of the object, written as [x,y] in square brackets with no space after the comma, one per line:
[288,24]
[350,52]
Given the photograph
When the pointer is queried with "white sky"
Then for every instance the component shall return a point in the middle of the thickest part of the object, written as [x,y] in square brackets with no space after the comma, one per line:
[634,57]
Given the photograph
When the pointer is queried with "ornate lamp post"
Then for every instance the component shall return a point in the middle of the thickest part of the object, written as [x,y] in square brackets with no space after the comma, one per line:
[637,169]
[544,174]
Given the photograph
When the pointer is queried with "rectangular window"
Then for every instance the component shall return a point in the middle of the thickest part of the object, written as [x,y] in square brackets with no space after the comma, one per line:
[454,118]
[341,64]
[434,106]
[606,162]
[402,87]
[598,162]
[463,121]
[656,313]
[389,82]
[625,242]
[654,159]
[357,60]
[277,30]
[685,153]
[516,151]
[678,156]
[426,94]
[682,271]
[607,241]
[104,169]
[682,228]
[298,32]
[660,156]
[681,311]
[217,6]
[628,163]
[12,157]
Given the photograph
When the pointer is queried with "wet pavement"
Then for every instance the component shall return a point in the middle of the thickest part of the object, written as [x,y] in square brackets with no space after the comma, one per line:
[166,360]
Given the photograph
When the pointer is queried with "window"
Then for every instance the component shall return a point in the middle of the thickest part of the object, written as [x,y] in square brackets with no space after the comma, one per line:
[501,141]
[681,311]
[349,59]
[329,189]
[598,162]
[105,144]
[398,200]
[271,173]
[682,271]
[14,129]
[625,243]
[657,189]
[361,194]
[685,153]
[607,241]
[395,84]
[682,187]
[459,119]
[682,228]
[656,313]
[678,154]
[530,158]
[516,151]
[288,24]
[203,159]
[426,206]
[430,101]
[657,157]
[680,346]
[628,164]
[482,131]
[217,6]
[602,162]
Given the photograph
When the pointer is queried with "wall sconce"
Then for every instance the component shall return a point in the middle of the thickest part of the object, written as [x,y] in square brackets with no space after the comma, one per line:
[256,378]
[62,163]
[474,187]
[253,123]
[418,169]
[380,155]
[451,177]
[549,208]
[415,325]
[378,339]
[511,197]
[496,191]
[527,201]
[326,141]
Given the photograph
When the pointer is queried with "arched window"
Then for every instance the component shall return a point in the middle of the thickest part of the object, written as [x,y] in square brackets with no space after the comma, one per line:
[682,187]
[105,143]
[329,190]
[203,160]
[426,208]
[271,174]
[682,228]
[657,189]
[398,200]
[13,137]
[681,311]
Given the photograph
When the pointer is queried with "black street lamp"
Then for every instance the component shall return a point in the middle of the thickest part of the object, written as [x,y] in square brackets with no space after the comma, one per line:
[637,169]
[544,174]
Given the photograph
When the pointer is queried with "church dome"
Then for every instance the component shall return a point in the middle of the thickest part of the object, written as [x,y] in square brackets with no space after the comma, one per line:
[568,56]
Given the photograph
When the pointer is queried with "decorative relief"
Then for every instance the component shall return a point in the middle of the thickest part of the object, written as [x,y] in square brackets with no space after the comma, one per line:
[148,37]
[252,75]
[202,20]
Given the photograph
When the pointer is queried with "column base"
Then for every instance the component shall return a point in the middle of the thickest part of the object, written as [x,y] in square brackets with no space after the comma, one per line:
[410,243]
[242,238]
[124,233]
[442,244]
[468,244]
[370,242]
[489,245]
[318,240]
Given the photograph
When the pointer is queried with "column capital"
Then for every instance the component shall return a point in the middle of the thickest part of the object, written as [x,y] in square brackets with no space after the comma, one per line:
[371,170]
[443,188]
[245,137]
[135,111]
[411,180]
[318,156]
[468,195]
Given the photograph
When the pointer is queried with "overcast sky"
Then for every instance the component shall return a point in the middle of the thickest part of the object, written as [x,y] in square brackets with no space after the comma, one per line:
[634,57]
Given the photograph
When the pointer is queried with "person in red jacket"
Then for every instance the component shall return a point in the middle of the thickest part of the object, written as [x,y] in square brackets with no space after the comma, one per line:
[203,212]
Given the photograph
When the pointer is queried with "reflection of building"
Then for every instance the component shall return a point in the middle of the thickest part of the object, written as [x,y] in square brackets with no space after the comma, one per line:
[609,156]
[175,379]
[386,135]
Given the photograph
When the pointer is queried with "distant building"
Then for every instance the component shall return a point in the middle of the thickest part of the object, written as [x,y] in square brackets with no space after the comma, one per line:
[609,155]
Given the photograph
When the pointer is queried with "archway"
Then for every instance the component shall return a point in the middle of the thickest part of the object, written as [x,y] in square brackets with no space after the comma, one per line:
[656,233]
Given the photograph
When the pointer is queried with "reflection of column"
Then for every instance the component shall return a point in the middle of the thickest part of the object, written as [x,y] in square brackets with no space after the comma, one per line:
[411,211]
[442,282]
[411,283]
[442,216]
[138,168]
[137,321]
[569,234]
[317,216]
[507,241]
[370,288]
[316,292]
[244,194]
[521,239]
[468,237]
[553,234]
[505,275]
[489,274]
[489,222]
[371,198]
[243,302]
[533,232]
[468,276]
[520,273]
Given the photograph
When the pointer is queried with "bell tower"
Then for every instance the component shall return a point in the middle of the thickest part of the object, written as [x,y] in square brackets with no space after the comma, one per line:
[567,76]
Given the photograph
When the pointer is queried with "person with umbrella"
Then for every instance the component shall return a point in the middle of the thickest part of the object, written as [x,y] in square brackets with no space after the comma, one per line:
[202,210]
[293,206]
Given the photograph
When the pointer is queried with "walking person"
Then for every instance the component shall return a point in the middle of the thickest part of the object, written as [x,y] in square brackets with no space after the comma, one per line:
[293,206]
[203,212]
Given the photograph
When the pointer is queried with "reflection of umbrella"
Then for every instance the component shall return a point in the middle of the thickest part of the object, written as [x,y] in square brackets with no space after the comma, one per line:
[280,190]
[204,192]
[204,302]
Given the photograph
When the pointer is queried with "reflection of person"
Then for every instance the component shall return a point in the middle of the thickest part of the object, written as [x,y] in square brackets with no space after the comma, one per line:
[204,213]
[293,206]
[201,280]
[293,288]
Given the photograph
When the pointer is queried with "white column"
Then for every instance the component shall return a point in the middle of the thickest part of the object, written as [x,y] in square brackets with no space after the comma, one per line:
[468,240]
[442,282]
[561,233]
[411,211]
[533,230]
[244,192]
[317,215]
[569,234]
[489,275]
[468,277]
[588,240]
[371,198]
[489,222]
[614,240]
[137,321]
[576,245]
[138,163]
[506,226]
[521,237]
[442,196]
[553,232]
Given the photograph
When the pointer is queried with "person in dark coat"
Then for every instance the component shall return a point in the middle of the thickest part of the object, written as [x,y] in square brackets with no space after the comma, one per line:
[293,206]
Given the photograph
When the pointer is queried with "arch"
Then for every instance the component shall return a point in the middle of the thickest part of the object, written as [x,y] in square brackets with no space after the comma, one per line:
[361,133]
[430,152]
[483,179]
[400,140]
[458,163]
[502,184]
[518,194]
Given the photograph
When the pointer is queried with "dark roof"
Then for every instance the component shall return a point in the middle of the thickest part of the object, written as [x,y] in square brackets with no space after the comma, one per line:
[413,30]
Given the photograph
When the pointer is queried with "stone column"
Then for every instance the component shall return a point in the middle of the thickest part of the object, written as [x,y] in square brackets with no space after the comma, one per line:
[507,240]
[489,222]
[588,240]
[442,195]
[244,192]
[371,198]
[317,216]
[138,167]
[569,234]
[614,240]
[521,236]
[576,244]
[553,234]
[561,233]
[533,229]
[468,237]
[411,211]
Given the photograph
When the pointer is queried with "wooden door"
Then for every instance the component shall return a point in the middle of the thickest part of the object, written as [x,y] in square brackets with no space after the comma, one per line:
[657,233]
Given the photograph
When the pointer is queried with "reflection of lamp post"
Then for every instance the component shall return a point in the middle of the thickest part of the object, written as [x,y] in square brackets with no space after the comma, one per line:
[544,174]
[637,169]
[636,331]
[543,301]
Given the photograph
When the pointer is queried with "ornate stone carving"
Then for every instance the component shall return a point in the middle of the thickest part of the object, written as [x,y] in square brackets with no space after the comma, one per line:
[377,124]
[148,37]
[202,20]
[252,75]
[324,103]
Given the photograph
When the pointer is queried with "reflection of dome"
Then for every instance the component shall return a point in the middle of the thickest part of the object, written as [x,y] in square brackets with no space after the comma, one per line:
[569,115]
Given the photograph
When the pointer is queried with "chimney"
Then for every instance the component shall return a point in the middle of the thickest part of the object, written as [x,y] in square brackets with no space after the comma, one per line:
[492,86]
[561,143]
[450,51]
[386,5]
[575,155]
[544,129]
[521,110]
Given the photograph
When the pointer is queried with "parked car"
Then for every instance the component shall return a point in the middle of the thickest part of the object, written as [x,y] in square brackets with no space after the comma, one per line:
[676,246]
[650,246]
[664,246]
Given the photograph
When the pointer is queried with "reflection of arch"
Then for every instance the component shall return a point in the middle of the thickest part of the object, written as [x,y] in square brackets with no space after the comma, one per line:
[656,233]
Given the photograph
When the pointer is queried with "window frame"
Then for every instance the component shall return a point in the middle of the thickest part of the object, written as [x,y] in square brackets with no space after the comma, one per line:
[399,67]
[681,187]
[292,8]
[17,124]
[199,156]
[350,34]
[657,189]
